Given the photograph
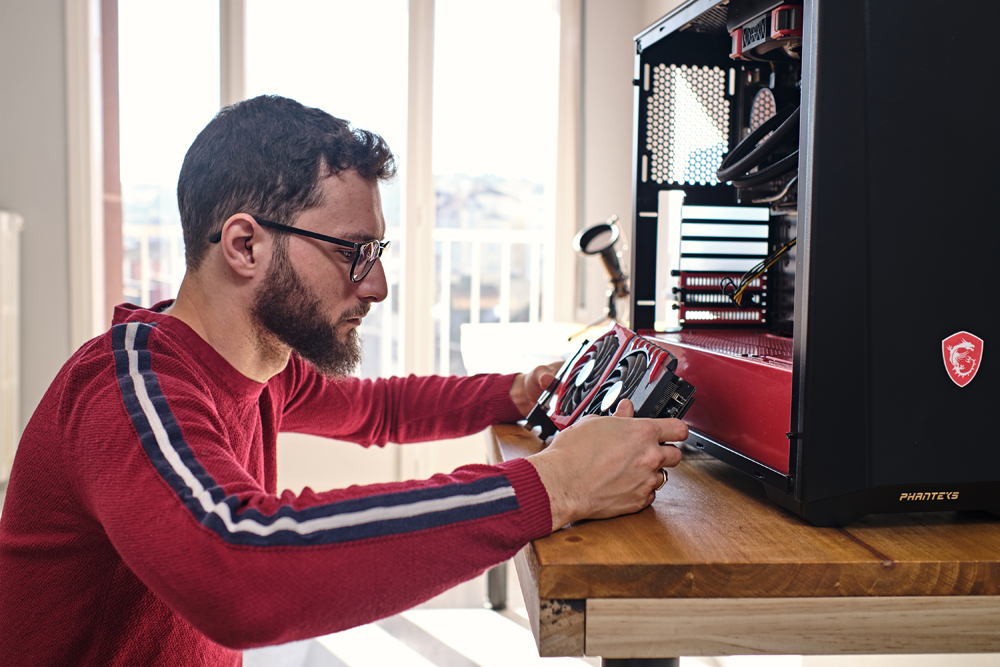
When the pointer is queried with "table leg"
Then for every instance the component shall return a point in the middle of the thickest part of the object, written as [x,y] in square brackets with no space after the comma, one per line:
[640,662]
[496,587]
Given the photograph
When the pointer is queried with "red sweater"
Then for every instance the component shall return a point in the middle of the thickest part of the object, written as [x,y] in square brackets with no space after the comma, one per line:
[142,524]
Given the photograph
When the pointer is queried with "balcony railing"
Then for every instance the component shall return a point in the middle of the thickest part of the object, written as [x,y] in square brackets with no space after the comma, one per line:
[497,276]
[153,262]
[469,304]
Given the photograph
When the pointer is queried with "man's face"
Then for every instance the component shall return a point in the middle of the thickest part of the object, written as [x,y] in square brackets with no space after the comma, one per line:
[307,301]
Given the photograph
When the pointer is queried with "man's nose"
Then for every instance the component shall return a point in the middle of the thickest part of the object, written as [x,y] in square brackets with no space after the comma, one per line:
[374,287]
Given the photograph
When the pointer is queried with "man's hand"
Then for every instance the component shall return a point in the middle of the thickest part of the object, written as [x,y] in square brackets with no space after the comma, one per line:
[528,387]
[602,467]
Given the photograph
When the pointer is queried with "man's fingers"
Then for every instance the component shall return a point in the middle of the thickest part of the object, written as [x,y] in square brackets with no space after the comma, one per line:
[670,430]
[671,456]
[625,409]
[543,376]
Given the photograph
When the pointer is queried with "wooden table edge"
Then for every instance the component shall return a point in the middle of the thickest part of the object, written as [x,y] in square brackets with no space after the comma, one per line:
[647,628]
[659,627]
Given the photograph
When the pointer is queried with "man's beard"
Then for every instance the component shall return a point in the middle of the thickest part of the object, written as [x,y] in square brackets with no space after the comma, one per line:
[287,310]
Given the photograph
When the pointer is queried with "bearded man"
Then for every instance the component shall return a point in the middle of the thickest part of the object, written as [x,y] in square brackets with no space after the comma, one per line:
[142,523]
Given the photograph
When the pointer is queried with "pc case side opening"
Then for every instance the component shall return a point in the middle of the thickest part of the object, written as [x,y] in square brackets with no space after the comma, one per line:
[696,105]
[694,233]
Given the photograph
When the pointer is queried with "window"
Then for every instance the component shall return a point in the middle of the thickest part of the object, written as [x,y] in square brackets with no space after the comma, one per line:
[493,161]
[313,51]
[168,52]
[494,158]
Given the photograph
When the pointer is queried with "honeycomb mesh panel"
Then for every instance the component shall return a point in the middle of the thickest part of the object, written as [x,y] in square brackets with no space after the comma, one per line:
[687,124]
[762,108]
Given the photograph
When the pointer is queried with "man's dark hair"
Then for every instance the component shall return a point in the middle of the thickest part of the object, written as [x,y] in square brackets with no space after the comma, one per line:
[267,156]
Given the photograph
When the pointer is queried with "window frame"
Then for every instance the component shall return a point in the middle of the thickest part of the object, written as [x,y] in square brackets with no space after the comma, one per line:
[417,288]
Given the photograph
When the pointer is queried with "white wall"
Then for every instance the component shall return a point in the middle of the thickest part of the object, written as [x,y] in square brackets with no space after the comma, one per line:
[608,61]
[33,181]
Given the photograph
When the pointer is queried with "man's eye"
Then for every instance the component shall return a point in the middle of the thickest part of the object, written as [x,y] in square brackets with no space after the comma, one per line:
[347,254]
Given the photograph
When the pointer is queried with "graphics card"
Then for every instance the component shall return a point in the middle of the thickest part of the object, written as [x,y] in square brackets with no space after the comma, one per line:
[644,374]
[618,364]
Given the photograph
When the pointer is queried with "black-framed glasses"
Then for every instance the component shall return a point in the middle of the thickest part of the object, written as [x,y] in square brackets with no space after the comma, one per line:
[365,254]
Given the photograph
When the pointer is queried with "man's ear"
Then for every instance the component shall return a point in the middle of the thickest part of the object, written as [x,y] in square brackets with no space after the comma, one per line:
[241,245]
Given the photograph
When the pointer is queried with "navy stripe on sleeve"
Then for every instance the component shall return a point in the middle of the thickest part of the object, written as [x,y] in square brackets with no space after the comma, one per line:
[342,521]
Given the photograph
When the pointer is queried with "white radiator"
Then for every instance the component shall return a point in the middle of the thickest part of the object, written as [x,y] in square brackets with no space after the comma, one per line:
[10,338]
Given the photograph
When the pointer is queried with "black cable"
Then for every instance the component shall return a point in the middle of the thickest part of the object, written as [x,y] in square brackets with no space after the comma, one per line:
[769,173]
[747,154]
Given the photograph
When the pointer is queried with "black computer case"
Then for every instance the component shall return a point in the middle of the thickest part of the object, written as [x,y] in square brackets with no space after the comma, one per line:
[854,379]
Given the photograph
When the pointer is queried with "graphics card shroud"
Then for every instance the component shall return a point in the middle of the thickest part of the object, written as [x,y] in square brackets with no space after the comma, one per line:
[617,365]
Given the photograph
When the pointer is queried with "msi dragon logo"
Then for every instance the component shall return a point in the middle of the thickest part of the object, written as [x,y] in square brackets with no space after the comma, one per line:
[963,354]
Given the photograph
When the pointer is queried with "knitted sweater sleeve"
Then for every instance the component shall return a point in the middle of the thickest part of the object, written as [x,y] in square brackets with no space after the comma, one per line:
[410,409]
[249,568]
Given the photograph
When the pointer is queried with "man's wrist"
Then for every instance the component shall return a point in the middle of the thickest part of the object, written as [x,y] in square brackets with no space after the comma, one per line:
[519,395]
[549,472]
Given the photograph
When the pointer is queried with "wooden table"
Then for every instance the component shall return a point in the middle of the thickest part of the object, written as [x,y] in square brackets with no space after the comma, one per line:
[713,568]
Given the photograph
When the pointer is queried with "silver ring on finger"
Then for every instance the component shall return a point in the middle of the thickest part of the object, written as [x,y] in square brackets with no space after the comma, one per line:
[663,471]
